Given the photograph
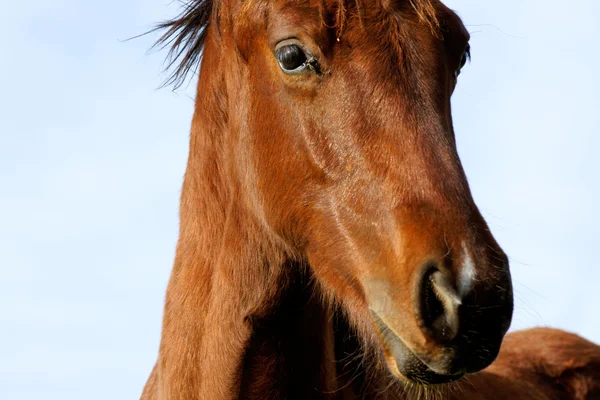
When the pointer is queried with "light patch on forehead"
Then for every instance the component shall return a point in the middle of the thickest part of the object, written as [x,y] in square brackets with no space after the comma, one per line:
[467,273]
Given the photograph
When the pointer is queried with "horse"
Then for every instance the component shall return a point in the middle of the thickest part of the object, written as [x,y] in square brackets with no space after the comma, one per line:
[329,244]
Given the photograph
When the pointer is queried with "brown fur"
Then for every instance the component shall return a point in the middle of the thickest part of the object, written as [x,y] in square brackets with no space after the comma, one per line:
[538,364]
[313,204]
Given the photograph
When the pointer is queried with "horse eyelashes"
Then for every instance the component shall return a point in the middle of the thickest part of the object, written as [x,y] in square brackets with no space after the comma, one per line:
[465,58]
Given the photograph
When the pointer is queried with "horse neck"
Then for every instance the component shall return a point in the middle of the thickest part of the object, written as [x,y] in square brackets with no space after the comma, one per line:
[306,349]
[291,352]
[226,266]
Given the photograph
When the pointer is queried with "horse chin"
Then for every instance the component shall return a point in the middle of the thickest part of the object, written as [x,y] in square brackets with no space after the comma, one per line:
[403,363]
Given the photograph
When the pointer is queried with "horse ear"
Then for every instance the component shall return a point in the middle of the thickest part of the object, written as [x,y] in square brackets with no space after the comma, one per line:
[185,36]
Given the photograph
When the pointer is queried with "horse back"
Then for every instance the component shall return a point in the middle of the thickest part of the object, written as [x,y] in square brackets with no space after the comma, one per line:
[548,364]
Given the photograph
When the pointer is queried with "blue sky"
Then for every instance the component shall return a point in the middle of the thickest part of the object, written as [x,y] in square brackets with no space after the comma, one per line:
[92,158]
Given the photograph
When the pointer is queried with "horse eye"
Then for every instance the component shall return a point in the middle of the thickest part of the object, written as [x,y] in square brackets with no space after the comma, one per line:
[466,57]
[292,59]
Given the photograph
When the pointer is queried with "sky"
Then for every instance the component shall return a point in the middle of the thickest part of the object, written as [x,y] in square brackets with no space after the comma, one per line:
[92,156]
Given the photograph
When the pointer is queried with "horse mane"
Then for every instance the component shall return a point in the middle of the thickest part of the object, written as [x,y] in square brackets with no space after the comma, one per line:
[185,34]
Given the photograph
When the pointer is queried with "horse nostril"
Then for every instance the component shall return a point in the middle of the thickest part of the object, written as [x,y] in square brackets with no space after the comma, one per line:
[439,306]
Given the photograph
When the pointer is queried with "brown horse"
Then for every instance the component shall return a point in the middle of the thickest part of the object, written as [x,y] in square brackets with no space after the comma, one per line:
[329,244]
